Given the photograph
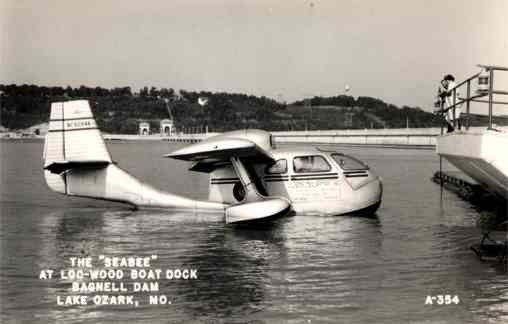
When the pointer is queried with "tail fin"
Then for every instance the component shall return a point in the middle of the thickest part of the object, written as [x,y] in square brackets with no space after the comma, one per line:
[73,138]
[77,163]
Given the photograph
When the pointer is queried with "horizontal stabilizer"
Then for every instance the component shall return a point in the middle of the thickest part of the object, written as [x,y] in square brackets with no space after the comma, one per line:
[58,167]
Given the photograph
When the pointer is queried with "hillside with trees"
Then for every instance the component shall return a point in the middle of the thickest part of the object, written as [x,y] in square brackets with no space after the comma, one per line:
[119,110]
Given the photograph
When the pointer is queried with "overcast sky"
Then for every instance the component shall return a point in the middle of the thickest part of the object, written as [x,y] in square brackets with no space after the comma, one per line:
[394,50]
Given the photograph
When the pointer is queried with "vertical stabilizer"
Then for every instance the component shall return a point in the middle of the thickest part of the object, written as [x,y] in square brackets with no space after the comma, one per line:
[73,136]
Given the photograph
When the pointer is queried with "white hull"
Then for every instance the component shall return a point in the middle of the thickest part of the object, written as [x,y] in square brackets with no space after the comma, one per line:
[350,202]
[334,192]
[481,155]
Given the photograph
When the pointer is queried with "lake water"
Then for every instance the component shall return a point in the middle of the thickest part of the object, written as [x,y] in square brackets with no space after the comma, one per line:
[302,269]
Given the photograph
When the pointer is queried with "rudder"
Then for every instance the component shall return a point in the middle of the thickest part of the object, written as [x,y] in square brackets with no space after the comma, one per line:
[73,137]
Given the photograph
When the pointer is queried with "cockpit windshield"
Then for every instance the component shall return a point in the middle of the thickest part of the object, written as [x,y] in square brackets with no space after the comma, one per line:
[347,162]
[310,163]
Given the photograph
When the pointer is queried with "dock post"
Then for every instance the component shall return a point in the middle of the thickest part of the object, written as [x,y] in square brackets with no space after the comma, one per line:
[491,87]
[455,121]
[468,103]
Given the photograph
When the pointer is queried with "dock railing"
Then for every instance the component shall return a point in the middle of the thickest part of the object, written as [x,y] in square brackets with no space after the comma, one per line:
[485,88]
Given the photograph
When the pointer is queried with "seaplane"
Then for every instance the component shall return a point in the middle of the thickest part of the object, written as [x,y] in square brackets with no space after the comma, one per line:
[250,179]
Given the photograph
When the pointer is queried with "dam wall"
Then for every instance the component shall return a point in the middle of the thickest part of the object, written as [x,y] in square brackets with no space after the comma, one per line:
[423,138]
[407,137]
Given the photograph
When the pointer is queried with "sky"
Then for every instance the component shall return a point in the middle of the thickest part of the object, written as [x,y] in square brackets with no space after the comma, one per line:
[395,50]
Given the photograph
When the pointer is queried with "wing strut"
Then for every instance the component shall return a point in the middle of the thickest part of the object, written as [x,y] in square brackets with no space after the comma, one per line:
[254,207]
[251,192]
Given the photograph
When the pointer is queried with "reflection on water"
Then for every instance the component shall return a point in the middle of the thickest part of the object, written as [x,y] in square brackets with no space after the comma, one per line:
[300,269]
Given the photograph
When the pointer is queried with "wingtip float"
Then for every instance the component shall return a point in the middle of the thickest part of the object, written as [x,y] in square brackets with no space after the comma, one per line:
[250,181]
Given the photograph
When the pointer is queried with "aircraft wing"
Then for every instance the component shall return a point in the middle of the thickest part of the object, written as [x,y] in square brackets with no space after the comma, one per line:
[231,148]
[220,148]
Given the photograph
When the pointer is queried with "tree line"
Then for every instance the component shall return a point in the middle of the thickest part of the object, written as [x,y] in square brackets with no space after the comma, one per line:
[119,109]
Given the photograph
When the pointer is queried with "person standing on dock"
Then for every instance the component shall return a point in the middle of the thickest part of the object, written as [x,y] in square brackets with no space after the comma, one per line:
[448,97]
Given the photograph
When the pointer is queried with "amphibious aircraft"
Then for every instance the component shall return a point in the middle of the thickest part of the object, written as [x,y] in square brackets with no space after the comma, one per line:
[250,179]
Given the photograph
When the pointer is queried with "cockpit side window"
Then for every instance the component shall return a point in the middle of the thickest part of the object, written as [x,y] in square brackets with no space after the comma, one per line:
[310,163]
[278,167]
[347,162]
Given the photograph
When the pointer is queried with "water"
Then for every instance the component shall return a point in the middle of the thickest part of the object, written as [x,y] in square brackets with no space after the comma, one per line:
[303,269]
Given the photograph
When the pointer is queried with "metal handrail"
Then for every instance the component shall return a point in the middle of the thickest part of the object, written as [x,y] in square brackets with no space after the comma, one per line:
[475,98]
